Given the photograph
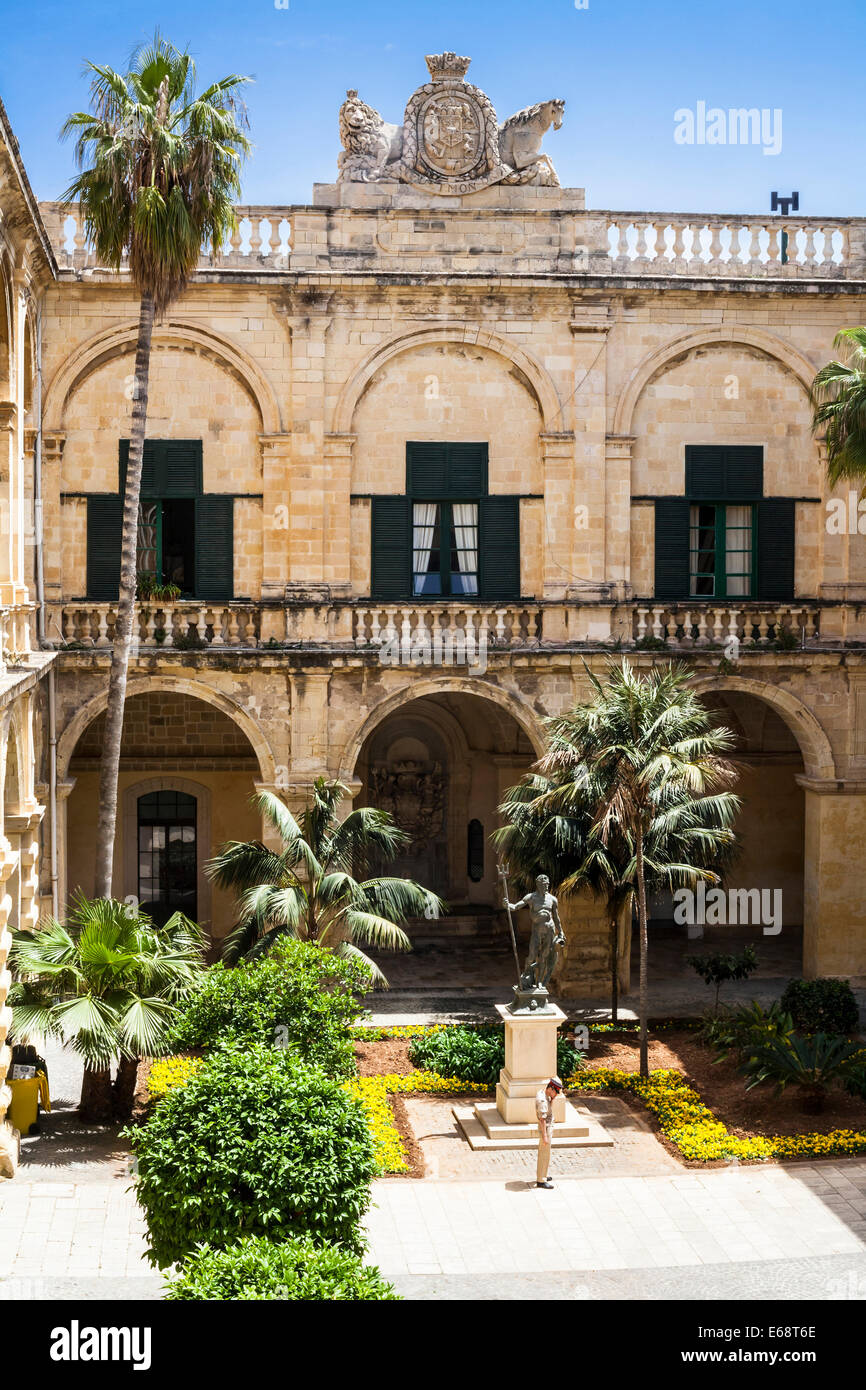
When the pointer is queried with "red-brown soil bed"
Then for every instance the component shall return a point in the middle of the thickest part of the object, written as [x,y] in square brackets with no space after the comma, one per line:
[722,1088]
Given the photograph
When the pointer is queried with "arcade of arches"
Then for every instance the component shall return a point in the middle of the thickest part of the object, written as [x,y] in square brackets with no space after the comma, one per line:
[440,761]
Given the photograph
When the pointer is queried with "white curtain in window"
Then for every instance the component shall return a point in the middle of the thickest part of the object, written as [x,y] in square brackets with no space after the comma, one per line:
[738,551]
[423,524]
[466,534]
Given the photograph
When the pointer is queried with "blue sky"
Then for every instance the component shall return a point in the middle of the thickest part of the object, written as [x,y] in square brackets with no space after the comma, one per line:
[623,66]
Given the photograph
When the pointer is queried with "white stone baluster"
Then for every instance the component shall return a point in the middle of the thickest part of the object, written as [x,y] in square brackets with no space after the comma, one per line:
[219,614]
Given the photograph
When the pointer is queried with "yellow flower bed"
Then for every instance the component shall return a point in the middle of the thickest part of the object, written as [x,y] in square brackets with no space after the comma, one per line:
[682,1116]
[168,1072]
[685,1120]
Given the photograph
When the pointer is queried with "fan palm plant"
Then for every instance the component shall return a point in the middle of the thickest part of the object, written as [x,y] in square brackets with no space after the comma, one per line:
[160,170]
[839,408]
[551,828]
[643,776]
[812,1064]
[108,982]
[307,889]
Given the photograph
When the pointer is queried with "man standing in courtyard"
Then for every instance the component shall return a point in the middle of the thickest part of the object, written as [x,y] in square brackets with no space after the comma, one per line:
[544,1111]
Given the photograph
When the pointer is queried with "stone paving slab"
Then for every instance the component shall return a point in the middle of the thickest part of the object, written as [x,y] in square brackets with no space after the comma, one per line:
[823,1278]
[447,1155]
[730,1216]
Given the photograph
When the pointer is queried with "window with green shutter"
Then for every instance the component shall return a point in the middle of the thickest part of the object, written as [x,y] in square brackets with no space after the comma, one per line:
[724,539]
[446,538]
[185,536]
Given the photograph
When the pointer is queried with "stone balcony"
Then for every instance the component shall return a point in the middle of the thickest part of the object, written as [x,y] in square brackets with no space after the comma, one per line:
[543,231]
[458,633]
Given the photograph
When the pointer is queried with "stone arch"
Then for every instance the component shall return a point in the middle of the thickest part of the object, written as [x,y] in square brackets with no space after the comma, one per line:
[13,750]
[536,378]
[144,685]
[512,703]
[789,357]
[115,342]
[812,740]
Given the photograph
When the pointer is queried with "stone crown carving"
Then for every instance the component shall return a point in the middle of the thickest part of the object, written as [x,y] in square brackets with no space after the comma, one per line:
[450,141]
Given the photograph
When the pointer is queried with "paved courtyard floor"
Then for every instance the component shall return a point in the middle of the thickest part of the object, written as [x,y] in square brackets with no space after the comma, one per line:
[621,1223]
[750,1233]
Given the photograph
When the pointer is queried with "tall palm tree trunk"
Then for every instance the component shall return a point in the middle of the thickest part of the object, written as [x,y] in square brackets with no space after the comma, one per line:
[110,763]
[123,1090]
[95,1103]
[614,969]
[643,1004]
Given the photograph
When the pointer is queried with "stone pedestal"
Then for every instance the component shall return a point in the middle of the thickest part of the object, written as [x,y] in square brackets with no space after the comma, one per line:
[530,1062]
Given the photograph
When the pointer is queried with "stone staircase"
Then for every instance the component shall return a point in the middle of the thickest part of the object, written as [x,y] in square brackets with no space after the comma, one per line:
[471,925]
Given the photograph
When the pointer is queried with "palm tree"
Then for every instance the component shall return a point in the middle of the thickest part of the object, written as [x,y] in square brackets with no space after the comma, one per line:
[643,763]
[308,888]
[551,828]
[109,983]
[839,406]
[160,169]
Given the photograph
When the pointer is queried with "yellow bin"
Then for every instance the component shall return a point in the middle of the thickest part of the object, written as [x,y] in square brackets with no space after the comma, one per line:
[24,1108]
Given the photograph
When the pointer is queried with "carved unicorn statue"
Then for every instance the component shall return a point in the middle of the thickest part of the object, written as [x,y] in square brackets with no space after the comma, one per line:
[520,143]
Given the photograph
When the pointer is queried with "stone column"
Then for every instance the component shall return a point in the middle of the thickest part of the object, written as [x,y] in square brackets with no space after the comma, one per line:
[25,826]
[8,467]
[558,464]
[584,968]
[52,522]
[834,898]
[8,1137]
[617,550]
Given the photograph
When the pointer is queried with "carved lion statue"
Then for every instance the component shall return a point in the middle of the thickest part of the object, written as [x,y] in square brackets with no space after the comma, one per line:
[369,143]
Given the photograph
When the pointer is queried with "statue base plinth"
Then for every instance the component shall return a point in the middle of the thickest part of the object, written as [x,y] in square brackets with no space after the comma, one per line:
[530,1062]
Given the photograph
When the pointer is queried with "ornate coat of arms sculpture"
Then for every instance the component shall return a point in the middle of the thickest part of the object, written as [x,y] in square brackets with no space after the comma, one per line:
[450,141]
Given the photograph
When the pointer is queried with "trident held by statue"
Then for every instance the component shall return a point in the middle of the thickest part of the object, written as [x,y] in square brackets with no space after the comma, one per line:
[503,874]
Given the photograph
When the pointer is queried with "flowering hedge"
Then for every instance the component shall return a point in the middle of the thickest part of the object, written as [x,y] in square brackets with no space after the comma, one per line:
[168,1072]
[681,1114]
[687,1122]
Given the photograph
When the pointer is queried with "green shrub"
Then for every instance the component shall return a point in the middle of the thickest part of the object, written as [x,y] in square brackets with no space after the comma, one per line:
[812,1064]
[299,996]
[478,1054]
[822,1006]
[255,1143]
[257,1268]
[719,967]
[745,1029]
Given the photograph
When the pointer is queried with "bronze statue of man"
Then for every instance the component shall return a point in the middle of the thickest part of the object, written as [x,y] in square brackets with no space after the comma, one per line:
[547,934]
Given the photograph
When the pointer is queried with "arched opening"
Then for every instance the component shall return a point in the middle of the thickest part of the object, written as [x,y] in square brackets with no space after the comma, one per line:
[440,764]
[761,900]
[187,773]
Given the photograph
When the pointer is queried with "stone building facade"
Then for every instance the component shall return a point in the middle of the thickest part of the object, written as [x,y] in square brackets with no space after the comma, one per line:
[27,266]
[417,457]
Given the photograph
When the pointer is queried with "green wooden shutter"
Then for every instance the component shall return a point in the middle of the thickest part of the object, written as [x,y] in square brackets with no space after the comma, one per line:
[104,530]
[214,546]
[427,471]
[776,548]
[171,467]
[724,472]
[671,548]
[467,471]
[499,547]
[391,547]
[446,472]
